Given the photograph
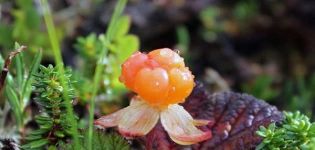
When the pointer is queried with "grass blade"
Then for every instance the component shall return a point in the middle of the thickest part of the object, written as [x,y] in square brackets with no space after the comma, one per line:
[19,69]
[15,104]
[26,89]
[183,39]
[99,68]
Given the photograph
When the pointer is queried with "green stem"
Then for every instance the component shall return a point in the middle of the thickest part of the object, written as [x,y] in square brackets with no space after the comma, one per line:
[60,66]
[100,65]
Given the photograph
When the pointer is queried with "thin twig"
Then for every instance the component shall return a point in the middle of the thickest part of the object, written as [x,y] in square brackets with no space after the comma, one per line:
[7,63]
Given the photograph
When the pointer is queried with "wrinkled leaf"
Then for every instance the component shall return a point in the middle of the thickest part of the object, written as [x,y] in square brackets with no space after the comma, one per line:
[235,118]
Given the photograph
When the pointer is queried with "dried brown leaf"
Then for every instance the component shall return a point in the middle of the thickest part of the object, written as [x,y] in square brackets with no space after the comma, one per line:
[7,63]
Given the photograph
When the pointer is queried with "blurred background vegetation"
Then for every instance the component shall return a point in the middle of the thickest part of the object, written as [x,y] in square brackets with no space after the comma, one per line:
[265,48]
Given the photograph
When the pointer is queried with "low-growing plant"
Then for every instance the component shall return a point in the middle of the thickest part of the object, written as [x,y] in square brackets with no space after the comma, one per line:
[25,27]
[97,79]
[118,47]
[262,87]
[300,95]
[18,85]
[294,133]
[53,122]
[101,141]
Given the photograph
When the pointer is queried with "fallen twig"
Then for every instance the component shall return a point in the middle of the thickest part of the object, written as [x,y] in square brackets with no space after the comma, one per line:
[7,63]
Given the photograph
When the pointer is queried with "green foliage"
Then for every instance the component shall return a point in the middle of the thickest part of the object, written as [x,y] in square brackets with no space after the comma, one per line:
[245,10]
[262,88]
[90,48]
[183,40]
[300,94]
[295,132]
[54,123]
[18,86]
[101,141]
[26,27]
[228,19]
[212,21]
[103,60]
[63,77]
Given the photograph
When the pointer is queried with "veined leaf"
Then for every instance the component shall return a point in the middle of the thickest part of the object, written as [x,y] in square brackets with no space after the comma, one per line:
[234,118]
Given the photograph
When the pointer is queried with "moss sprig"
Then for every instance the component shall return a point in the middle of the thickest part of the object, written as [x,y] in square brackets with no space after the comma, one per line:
[54,125]
[296,132]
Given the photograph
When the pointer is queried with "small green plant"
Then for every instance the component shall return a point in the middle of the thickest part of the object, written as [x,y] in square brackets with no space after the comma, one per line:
[300,94]
[25,28]
[262,87]
[119,47]
[225,19]
[183,40]
[55,45]
[18,85]
[296,132]
[53,122]
[245,10]
[101,141]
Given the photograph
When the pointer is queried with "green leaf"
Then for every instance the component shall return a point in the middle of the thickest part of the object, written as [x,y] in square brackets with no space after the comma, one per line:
[183,39]
[110,32]
[122,27]
[36,144]
[27,86]
[101,141]
[261,133]
[52,147]
[6,35]
[39,131]
[33,137]
[262,88]
[294,133]
[99,67]
[126,46]
[1,61]
[59,134]
[46,126]
[43,122]
[19,62]
[14,103]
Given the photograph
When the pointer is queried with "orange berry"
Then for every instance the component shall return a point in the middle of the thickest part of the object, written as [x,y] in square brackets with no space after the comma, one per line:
[160,77]
[131,67]
[181,84]
[167,58]
[152,84]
